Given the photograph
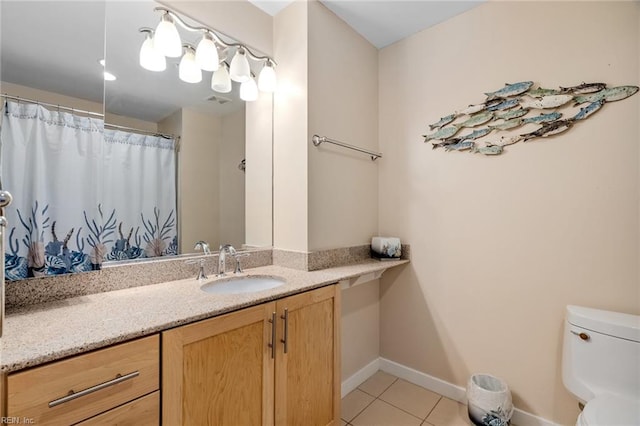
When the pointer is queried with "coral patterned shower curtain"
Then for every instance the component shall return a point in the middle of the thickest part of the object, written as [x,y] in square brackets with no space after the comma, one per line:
[82,194]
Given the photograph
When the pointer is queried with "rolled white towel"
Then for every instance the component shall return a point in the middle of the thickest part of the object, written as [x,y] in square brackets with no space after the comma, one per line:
[386,247]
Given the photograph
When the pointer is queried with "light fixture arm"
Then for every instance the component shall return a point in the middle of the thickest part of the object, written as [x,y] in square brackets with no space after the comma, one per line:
[215,36]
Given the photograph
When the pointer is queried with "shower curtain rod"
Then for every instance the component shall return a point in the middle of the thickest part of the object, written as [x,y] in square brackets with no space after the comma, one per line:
[95,114]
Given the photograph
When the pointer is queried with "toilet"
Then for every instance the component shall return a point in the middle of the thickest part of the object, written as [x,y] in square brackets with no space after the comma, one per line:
[601,365]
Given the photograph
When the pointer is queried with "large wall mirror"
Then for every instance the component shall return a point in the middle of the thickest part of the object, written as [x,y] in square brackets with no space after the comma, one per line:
[169,163]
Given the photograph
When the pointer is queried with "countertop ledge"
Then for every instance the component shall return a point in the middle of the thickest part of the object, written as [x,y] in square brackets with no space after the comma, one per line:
[38,334]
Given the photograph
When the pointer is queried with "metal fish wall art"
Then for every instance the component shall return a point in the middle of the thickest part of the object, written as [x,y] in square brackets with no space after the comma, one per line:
[510,90]
[538,111]
[546,102]
[514,113]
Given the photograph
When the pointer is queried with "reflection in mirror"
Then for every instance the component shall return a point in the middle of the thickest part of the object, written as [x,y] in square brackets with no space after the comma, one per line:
[212,179]
[200,191]
[51,155]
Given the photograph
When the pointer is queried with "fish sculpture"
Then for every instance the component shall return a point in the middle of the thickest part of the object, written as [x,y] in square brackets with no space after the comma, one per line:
[609,95]
[488,150]
[471,109]
[511,107]
[584,88]
[476,120]
[546,102]
[445,142]
[471,136]
[478,133]
[508,104]
[443,122]
[543,118]
[460,146]
[508,124]
[549,129]
[588,110]
[540,92]
[510,90]
[514,113]
[506,141]
[443,133]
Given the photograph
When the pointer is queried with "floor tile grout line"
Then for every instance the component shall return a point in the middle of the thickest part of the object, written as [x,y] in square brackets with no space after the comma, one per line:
[402,409]
[433,408]
[361,411]
[383,391]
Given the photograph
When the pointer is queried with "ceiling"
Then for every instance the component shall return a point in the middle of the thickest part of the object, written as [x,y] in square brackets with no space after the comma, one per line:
[65,61]
[383,22]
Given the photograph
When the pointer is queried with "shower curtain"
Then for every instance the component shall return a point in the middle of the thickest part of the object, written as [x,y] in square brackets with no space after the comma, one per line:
[82,194]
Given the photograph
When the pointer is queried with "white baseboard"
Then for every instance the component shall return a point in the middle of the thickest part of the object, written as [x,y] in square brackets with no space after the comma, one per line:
[449,390]
[360,376]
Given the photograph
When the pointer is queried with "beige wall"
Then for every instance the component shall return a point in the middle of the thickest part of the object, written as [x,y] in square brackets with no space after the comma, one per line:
[290,145]
[360,327]
[343,93]
[500,245]
[238,19]
[69,101]
[259,173]
[232,187]
[198,180]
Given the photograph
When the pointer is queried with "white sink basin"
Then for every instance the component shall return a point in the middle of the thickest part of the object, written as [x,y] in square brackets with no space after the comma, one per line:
[235,285]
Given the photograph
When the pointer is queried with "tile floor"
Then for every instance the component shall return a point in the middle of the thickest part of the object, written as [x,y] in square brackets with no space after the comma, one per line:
[385,400]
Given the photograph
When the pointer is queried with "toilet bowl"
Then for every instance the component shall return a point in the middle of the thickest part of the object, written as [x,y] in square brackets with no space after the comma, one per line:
[609,410]
[601,365]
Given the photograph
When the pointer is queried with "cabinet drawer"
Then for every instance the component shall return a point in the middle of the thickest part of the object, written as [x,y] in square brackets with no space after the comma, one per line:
[143,411]
[93,383]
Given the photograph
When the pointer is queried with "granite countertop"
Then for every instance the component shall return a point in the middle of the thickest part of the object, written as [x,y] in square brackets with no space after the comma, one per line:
[47,332]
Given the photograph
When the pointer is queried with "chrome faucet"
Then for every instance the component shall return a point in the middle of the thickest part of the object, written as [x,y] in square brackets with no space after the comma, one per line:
[202,245]
[222,258]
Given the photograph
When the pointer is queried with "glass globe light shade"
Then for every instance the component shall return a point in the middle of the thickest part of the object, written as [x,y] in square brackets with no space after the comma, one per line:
[240,70]
[220,81]
[151,58]
[167,39]
[267,79]
[188,70]
[249,90]
[207,54]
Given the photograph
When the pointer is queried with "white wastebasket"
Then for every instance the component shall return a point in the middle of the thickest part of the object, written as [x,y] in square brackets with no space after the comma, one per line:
[489,401]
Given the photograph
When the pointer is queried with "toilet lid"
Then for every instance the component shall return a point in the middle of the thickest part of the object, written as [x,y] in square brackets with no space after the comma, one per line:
[610,410]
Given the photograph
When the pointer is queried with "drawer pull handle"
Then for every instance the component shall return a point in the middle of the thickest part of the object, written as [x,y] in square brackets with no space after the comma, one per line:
[285,341]
[74,395]
[272,345]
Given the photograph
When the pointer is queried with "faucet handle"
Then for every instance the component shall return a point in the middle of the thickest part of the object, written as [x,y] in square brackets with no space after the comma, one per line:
[201,273]
[237,257]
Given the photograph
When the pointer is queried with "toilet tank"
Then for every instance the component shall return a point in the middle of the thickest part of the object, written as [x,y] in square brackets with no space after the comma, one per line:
[601,353]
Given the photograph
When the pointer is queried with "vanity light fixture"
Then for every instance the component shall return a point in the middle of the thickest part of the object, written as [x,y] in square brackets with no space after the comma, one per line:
[188,70]
[239,69]
[267,78]
[209,55]
[167,38]
[220,81]
[150,57]
[249,90]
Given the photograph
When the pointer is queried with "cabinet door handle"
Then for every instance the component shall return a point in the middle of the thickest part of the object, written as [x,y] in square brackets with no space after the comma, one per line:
[272,344]
[285,341]
[74,395]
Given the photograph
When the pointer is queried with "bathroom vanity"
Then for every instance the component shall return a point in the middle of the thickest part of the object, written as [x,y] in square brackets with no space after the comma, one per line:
[173,354]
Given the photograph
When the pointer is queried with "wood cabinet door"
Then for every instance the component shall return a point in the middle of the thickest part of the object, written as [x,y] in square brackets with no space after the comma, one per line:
[220,371]
[308,358]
